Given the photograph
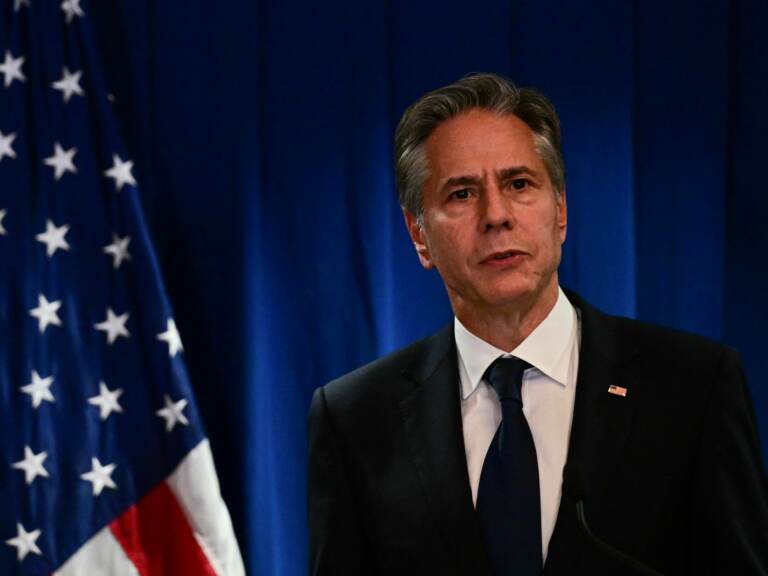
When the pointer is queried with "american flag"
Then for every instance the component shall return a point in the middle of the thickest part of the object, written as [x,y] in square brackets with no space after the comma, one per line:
[105,465]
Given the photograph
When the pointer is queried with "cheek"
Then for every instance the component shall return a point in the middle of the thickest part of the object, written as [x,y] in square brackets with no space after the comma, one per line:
[545,236]
[443,251]
[448,245]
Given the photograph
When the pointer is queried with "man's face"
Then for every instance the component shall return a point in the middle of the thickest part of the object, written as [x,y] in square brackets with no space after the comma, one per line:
[492,224]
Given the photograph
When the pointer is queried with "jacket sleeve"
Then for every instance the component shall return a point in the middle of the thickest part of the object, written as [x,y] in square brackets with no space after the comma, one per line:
[731,534]
[336,539]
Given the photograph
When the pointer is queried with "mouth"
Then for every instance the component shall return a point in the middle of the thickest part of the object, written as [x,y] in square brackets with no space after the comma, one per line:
[505,259]
[505,256]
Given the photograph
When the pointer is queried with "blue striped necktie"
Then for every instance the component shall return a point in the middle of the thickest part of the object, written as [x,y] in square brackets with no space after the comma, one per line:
[508,504]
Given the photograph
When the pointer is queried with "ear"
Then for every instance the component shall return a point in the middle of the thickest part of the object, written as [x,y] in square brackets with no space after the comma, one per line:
[416,232]
[562,215]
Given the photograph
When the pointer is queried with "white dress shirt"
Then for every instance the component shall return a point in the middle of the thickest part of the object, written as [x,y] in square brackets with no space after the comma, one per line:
[549,389]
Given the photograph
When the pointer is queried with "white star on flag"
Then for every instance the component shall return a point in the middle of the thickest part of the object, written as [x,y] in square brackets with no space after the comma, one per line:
[24,542]
[53,237]
[3,231]
[114,326]
[39,389]
[118,249]
[11,69]
[62,161]
[173,413]
[100,476]
[106,400]
[5,145]
[46,313]
[72,8]
[32,465]
[69,84]
[121,172]
[17,4]
[171,336]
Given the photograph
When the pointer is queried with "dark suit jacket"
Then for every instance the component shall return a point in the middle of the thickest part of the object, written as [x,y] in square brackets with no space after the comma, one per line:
[673,470]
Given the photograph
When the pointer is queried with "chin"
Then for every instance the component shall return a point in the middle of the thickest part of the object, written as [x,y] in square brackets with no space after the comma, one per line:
[508,298]
[514,293]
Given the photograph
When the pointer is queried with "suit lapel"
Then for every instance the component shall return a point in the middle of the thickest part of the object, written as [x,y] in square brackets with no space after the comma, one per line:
[601,420]
[601,424]
[431,416]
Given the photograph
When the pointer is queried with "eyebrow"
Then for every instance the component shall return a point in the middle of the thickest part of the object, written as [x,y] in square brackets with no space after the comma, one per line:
[460,181]
[514,171]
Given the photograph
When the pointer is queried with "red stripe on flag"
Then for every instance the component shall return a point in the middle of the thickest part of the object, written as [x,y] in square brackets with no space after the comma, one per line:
[157,538]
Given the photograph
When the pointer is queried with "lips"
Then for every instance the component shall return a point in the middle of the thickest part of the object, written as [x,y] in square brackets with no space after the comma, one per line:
[504,255]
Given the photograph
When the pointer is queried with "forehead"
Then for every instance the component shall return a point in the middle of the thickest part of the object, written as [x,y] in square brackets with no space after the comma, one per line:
[479,140]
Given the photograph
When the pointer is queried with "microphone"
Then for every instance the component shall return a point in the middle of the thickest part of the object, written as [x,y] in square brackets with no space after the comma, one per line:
[575,488]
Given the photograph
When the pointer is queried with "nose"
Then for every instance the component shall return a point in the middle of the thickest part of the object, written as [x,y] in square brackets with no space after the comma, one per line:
[497,209]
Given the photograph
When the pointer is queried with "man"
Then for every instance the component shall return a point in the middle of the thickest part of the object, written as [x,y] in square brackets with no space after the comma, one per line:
[447,457]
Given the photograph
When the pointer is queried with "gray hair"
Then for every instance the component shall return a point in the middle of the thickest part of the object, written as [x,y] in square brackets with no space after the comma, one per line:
[484,91]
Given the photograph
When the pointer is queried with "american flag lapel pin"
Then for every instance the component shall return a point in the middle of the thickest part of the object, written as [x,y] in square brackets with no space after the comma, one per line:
[617,390]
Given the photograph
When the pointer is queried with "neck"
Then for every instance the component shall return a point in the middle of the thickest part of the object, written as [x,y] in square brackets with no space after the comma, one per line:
[505,328]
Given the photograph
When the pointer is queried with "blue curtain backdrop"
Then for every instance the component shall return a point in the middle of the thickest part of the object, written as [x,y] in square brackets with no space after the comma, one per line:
[262,130]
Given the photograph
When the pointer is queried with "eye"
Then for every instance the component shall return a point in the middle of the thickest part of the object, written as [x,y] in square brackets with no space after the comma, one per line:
[520,183]
[462,194]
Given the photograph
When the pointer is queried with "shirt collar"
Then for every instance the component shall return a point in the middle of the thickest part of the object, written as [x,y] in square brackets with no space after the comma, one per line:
[546,348]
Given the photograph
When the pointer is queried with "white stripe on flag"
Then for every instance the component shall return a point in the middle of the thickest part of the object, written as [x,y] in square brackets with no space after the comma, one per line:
[102,554]
[196,487]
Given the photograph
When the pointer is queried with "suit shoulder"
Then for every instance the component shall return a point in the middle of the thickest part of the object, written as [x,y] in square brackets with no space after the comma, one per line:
[664,342]
[628,336]
[385,377]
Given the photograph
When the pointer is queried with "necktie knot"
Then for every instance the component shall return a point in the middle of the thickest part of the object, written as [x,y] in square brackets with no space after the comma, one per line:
[505,375]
